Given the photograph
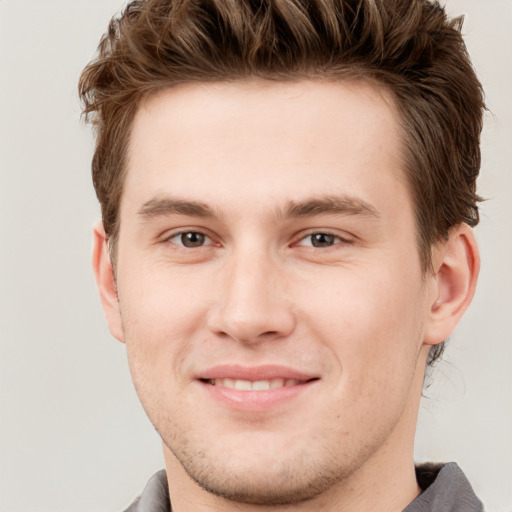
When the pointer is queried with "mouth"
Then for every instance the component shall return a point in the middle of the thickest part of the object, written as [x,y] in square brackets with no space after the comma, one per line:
[255,389]
[257,385]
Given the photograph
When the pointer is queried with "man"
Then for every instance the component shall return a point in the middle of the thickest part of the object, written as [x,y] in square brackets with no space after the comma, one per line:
[287,193]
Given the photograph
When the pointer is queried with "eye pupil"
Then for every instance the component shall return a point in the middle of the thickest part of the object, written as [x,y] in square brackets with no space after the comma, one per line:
[322,240]
[192,239]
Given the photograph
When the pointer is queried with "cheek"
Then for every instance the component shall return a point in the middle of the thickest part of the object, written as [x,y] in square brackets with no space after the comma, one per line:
[161,315]
[157,297]
[371,321]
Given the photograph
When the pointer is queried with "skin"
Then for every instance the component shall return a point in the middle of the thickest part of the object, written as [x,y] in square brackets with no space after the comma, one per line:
[260,173]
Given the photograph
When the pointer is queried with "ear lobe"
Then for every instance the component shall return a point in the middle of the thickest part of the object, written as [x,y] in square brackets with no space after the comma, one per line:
[104,274]
[456,265]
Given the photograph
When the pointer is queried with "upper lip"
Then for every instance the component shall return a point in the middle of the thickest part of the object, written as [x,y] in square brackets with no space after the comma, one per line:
[254,373]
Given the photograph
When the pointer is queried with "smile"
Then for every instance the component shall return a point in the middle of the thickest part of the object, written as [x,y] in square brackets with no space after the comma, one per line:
[259,385]
[256,389]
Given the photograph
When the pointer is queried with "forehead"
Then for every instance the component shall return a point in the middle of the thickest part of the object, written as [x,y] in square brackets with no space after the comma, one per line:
[259,138]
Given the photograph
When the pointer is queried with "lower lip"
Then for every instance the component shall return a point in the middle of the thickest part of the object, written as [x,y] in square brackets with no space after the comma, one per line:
[256,401]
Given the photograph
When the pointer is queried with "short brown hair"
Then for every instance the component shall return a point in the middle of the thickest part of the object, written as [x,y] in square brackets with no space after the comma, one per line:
[410,47]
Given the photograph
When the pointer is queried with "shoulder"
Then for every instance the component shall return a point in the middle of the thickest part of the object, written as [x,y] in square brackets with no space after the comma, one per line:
[445,489]
[154,497]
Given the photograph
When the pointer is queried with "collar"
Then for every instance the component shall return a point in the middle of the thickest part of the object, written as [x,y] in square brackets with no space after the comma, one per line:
[445,489]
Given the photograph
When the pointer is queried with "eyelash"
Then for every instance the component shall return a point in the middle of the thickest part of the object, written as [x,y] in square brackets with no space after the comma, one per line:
[337,239]
[181,234]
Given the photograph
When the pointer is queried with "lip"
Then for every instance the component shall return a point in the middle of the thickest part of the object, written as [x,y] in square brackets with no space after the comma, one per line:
[254,373]
[252,400]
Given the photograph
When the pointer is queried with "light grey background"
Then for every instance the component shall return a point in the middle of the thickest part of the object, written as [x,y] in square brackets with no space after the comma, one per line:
[73,437]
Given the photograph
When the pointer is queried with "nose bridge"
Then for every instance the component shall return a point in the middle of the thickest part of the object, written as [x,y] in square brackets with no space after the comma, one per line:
[250,273]
[253,304]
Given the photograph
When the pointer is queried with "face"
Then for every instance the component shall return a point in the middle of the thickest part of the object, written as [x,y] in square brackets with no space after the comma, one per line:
[270,291]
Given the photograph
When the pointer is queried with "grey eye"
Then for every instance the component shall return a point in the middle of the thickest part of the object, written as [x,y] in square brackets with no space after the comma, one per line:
[190,239]
[322,240]
[193,239]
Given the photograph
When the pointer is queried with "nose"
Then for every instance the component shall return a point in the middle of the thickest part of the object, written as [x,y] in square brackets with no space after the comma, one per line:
[252,303]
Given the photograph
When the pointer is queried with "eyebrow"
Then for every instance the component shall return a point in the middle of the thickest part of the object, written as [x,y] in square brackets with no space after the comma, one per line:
[331,205]
[160,207]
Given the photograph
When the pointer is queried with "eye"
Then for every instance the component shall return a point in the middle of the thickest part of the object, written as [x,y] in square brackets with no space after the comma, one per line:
[321,240]
[190,239]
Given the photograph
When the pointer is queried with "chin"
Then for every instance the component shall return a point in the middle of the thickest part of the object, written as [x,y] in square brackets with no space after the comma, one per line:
[268,479]
[271,488]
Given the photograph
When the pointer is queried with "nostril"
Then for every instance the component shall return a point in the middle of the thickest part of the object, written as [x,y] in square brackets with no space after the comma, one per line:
[251,323]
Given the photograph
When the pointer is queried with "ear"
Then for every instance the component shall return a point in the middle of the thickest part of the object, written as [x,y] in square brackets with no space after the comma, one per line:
[456,264]
[104,274]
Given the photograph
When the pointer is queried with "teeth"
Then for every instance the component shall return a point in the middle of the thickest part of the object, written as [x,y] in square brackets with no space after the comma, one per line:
[243,385]
[259,385]
[276,383]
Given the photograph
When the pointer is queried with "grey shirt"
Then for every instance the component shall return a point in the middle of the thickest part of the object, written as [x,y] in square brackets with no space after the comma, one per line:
[445,489]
